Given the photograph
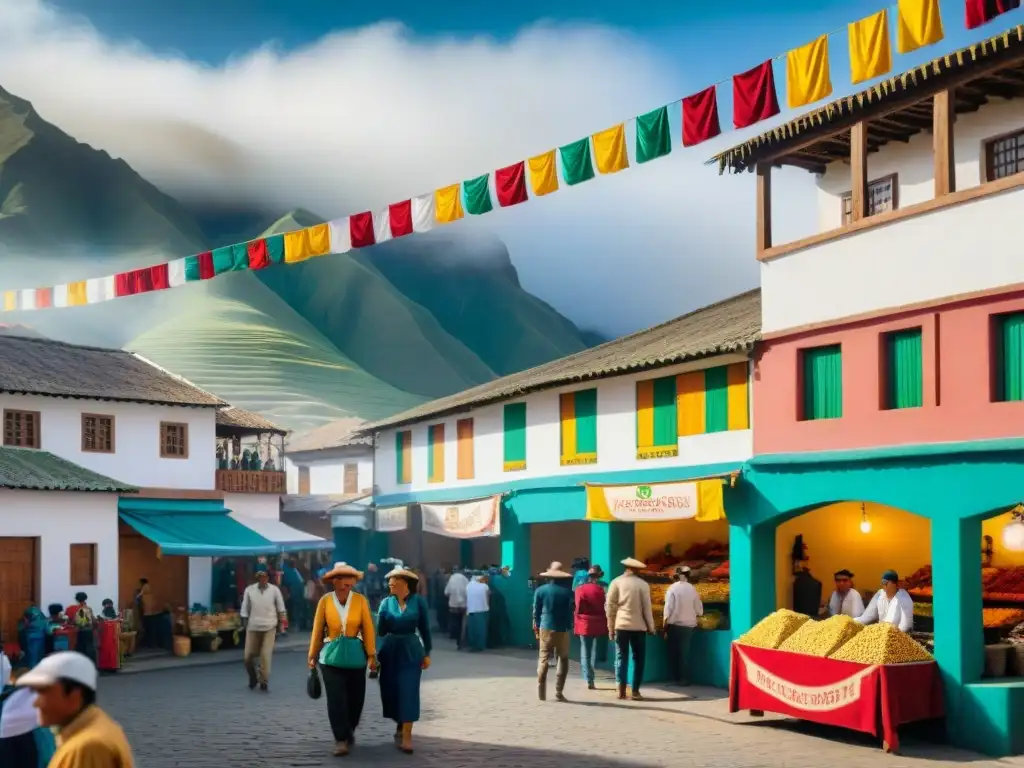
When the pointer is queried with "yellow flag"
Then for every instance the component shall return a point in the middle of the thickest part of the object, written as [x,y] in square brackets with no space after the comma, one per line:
[543,174]
[448,204]
[610,149]
[76,294]
[319,239]
[870,52]
[296,246]
[807,73]
[918,24]
[10,301]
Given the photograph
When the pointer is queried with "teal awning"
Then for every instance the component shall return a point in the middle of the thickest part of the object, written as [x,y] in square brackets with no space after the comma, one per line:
[193,527]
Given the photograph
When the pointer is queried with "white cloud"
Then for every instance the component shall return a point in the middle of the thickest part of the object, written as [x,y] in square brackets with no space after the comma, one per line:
[366,117]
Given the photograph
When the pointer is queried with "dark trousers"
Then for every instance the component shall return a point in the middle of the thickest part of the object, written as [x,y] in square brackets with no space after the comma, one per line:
[19,751]
[296,607]
[151,630]
[86,643]
[456,628]
[346,693]
[442,616]
[630,641]
[678,652]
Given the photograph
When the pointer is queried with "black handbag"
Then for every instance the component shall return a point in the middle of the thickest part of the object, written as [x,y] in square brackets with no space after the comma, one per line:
[313,687]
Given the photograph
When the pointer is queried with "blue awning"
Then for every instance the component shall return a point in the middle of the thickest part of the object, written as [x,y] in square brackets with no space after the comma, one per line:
[193,527]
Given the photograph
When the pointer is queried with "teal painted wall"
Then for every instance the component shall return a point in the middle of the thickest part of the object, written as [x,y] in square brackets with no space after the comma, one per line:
[350,546]
[515,553]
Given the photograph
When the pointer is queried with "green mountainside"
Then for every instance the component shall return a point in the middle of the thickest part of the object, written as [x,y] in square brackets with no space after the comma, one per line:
[366,333]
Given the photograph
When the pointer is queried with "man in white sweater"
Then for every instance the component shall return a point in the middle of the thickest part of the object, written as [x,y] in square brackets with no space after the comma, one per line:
[455,591]
[630,620]
[891,605]
[263,612]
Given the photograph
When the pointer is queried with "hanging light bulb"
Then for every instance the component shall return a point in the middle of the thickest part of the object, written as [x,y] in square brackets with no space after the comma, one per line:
[865,524]
[1013,532]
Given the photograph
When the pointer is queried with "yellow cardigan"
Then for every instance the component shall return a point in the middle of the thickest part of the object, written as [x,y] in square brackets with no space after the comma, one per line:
[327,624]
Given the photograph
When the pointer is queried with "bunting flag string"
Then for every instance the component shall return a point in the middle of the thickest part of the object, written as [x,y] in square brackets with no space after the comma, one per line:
[808,79]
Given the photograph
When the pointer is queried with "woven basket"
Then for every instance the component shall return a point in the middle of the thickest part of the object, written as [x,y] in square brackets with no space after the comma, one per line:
[182,645]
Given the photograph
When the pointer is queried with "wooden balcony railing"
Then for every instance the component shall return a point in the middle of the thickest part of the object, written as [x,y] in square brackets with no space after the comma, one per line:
[251,481]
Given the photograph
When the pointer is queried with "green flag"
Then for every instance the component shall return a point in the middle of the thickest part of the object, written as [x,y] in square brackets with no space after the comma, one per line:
[275,248]
[653,139]
[192,272]
[476,195]
[576,164]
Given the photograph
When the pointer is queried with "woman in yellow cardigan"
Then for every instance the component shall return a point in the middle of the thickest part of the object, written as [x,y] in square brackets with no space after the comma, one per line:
[342,616]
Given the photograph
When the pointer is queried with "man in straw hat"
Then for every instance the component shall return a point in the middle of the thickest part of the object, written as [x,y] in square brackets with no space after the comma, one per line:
[263,613]
[630,619]
[552,625]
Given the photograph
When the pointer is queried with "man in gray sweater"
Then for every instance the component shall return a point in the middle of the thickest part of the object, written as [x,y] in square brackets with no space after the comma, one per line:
[630,620]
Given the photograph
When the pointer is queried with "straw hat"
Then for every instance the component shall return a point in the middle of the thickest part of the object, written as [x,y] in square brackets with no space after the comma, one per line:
[632,562]
[401,572]
[341,569]
[555,572]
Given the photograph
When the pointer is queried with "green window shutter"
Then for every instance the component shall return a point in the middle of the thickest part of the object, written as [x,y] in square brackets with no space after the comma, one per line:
[399,458]
[1010,357]
[716,399]
[515,433]
[586,421]
[905,369]
[823,382]
[430,453]
[665,425]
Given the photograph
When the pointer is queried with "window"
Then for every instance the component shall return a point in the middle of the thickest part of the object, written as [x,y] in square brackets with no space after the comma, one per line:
[1004,156]
[1009,357]
[403,457]
[351,478]
[97,433]
[173,440]
[21,429]
[716,399]
[578,417]
[304,481]
[822,373]
[515,437]
[464,449]
[656,424]
[883,195]
[83,565]
[904,369]
[435,453]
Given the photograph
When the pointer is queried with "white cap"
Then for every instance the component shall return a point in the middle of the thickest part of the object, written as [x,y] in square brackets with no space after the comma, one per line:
[66,665]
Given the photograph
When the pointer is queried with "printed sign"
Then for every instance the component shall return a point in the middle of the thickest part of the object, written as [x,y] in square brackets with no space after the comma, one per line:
[813,698]
[637,503]
[392,519]
[465,520]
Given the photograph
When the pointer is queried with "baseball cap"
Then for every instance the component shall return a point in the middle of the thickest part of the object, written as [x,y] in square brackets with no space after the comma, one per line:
[65,665]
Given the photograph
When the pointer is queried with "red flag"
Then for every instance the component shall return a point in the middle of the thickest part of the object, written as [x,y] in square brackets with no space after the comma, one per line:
[360,228]
[753,96]
[206,265]
[700,117]
[980,12]
[159,277]
[258,256]
[124,284]
[510,184]
[44,298]
[400,216]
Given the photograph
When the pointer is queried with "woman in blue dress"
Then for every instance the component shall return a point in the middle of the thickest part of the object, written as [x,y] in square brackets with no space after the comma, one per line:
[403,626]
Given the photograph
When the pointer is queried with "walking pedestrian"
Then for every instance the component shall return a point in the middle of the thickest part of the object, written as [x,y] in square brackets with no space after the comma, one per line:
[87,737]
[343,643]
[682,607]
[630,620]
[262,614]
[295,586]
[552,623]
[403,656]
[590,623]
[84,621]
[455,591]
[478,611]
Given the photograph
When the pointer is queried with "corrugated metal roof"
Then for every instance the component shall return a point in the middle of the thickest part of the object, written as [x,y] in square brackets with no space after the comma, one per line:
[31,470]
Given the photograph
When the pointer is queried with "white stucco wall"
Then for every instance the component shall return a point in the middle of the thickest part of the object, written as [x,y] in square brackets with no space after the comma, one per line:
[327,469]
[200,581]
[926,257]
[136,458]
[263,506]
[616,439]
[59,519]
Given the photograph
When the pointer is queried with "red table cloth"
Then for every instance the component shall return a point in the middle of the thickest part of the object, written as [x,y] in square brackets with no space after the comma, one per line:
[874,699]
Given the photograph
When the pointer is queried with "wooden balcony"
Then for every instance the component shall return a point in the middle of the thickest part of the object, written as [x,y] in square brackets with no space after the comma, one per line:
[251,481]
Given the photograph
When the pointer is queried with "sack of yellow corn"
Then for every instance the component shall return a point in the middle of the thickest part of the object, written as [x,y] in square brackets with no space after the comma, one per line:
[822,638]
[882,644]
[772,631]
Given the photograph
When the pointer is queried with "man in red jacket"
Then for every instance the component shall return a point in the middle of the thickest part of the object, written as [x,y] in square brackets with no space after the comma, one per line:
[590,624]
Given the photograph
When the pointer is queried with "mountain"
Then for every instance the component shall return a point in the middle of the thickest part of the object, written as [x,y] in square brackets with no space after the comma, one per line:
[366,333]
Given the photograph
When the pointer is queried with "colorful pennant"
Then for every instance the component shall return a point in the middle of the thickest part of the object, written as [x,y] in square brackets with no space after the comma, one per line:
[870,53]
[753,95]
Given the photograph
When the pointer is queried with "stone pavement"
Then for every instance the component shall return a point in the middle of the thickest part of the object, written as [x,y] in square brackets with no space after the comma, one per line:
[479,710]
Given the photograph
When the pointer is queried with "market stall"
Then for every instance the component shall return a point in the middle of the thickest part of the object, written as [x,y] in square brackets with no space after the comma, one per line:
[201,630]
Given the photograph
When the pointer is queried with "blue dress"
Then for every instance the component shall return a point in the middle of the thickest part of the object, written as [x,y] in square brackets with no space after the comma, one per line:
[404,641]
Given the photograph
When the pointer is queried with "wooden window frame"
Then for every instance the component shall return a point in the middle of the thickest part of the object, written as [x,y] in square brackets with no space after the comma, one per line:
[986,166]
[345,477]
[892,178]
[37,438]
[163,442]
[113,428]
[304,473]
[461,472]
[93,577]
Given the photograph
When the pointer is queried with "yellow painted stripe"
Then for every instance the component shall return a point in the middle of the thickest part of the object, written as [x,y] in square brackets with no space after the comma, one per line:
[645,414]
[464,470]
[690,403]
[567,415]
[76,294]
[737,396]
[407,457]
[437,447]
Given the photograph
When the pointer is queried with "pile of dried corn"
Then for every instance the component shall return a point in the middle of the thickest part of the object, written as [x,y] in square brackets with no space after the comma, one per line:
[882,644]
[772,631]
[822,638]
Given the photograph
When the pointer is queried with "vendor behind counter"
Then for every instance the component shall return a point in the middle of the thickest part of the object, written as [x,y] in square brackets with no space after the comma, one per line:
[891,605]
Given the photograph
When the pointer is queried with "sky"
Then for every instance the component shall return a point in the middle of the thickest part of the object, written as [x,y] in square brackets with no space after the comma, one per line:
[342,107]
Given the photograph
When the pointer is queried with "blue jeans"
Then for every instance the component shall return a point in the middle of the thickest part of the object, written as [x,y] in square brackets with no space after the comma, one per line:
[588,657]
[630,642]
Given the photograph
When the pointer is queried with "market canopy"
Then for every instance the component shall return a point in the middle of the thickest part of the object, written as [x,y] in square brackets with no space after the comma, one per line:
[286,538]
[193,527]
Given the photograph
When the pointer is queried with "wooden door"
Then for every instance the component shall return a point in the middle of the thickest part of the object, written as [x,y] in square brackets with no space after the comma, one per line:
[351,479]
[19,575]
[139,558]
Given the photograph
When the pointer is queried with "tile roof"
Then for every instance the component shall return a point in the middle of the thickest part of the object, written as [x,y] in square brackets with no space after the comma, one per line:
[246,420]
[336,434]
[732,325]
[27,469]
[56,369]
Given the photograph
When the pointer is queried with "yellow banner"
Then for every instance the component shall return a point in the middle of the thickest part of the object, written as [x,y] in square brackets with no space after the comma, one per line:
[698,499]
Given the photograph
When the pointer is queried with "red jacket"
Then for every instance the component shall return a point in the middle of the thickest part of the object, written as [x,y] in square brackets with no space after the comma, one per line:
[591,620]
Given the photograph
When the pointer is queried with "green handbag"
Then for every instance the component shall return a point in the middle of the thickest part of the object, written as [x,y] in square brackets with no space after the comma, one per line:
[344,652]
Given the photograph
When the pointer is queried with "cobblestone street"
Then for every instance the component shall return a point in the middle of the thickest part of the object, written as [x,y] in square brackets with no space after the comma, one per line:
[479,710]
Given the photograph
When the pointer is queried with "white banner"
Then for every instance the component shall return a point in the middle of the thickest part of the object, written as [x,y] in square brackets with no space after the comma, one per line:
[465,520]
[643,503]
[814,698]
[392,519]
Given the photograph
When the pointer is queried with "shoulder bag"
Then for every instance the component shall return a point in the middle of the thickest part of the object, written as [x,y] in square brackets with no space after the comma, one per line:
[343,651]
